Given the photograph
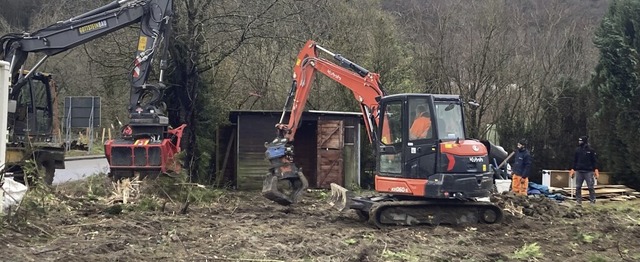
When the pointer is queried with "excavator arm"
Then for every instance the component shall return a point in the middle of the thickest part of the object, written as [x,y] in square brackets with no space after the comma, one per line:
[366,89]
[365,86]
[152,15]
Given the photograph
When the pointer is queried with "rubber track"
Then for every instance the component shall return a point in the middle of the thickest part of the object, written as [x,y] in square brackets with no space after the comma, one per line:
[433,212]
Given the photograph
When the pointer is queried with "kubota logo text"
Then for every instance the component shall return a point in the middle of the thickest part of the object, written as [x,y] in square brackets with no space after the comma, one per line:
[476,159]
[334,75]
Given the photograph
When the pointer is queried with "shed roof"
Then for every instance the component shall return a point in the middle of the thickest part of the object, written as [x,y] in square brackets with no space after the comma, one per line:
[314,112]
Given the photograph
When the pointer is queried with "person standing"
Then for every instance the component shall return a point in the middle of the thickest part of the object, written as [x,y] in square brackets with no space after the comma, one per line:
[520,169]
[585,165]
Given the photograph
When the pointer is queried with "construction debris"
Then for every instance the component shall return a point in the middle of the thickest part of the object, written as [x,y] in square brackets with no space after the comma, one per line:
[610,192]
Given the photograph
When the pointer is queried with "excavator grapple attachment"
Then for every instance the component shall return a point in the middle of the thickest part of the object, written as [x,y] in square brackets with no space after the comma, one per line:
[296,186]
[341,198]
[285,183]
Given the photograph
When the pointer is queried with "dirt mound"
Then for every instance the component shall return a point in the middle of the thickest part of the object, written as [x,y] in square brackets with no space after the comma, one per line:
[535,207]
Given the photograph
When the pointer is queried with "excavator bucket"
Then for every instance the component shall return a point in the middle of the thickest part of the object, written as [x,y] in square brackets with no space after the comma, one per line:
[284,190]
[341,198]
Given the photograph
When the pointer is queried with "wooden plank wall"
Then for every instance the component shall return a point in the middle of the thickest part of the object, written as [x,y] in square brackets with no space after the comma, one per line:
[253,132]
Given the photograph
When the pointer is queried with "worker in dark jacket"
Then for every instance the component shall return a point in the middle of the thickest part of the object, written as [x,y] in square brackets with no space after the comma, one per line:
[520,169]
[585,164]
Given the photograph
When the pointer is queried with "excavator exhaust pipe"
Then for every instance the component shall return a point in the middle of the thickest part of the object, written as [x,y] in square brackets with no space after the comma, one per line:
[341,198]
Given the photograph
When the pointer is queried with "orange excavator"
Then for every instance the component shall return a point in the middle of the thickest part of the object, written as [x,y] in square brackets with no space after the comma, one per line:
[431,176]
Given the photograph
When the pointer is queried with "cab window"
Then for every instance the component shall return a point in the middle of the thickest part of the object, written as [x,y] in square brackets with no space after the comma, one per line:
[420,119]
[450,123]
[392,124]
[391,134]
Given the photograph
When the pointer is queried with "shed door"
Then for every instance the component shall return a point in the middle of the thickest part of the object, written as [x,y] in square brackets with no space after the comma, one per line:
[330,146]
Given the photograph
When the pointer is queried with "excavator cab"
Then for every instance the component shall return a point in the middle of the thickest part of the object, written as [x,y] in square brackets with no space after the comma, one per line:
[412,127]
[32,109]
[408,135]
[30,131]
[422,138]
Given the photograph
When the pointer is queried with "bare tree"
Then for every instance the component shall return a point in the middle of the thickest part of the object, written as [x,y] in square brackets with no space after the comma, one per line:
[4,26]
[503,54]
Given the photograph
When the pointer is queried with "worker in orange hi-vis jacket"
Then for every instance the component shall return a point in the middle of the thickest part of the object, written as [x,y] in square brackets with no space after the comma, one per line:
[421,126]
[520,169]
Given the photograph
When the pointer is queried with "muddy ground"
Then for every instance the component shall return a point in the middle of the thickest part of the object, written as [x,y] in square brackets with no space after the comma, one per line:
[242,226]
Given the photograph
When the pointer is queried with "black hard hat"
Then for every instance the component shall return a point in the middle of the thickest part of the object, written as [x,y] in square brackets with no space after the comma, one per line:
[584,139]
[523,142]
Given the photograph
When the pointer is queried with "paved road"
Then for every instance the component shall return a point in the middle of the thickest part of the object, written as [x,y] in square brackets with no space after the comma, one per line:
[79,168]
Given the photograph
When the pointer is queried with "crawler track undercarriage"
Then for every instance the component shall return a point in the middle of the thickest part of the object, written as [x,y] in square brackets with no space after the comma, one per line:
[387,210]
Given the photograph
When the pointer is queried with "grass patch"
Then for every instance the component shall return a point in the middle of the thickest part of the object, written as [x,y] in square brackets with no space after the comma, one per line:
[146,203]
[626,212]
[398,256]
[410,253]
[350,241]
[369,236]
[178,190]
[37,202]
[587,238]
[597,258]
[96,150]
[93,187]
[628,207]
[319,194]
[528,252]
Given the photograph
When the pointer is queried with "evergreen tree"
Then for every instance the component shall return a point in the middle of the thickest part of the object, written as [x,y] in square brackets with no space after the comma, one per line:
[615,85]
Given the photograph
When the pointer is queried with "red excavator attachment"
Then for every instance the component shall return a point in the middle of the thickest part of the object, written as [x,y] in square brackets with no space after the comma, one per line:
[144,154]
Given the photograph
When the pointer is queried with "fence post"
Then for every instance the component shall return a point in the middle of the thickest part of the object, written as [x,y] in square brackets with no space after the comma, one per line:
[4,115]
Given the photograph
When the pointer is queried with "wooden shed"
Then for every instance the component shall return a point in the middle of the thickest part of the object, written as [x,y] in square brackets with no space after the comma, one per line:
[327,147]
